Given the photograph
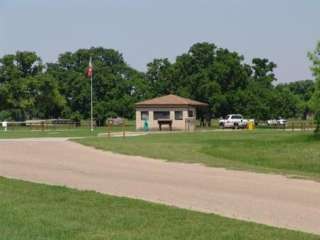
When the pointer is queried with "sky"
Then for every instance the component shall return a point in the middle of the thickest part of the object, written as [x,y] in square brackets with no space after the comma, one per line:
[280,30]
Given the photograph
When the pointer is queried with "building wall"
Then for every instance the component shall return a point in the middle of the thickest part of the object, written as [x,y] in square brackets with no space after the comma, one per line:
[176,124]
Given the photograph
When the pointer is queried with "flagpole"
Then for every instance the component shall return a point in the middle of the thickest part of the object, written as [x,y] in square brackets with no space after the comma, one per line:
[91,106]
[89,73]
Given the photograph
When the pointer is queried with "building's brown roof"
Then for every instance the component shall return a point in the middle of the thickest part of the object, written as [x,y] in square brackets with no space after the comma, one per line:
[171,100]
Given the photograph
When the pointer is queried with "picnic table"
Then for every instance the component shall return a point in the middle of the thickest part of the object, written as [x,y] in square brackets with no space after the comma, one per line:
[165,122]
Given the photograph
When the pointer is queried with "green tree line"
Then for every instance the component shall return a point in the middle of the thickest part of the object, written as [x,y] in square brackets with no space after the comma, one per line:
[30,89]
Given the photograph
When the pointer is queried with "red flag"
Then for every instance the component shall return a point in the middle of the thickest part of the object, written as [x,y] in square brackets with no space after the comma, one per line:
[89,71]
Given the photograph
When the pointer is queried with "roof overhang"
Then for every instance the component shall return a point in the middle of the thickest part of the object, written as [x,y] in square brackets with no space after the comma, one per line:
[170,101]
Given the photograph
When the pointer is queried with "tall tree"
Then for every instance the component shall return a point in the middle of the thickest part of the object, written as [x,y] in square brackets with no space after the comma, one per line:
[23,87]
[315,100]
[260,90]
[263,71]
[159,77]
[303,91]
[116,85]
[29,89]
[216,76]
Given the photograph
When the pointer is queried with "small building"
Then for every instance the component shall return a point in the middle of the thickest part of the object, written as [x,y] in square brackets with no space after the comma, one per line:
[177,113]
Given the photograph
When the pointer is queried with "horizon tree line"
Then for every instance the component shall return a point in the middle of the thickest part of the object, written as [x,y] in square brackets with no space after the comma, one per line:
[30,89]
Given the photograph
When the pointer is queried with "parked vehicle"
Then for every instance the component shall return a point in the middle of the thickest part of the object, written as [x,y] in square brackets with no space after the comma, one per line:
[234,121]
[115,121]
[277,122]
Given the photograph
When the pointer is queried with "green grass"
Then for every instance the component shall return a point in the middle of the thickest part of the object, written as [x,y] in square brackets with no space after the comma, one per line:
[293,153]
[33,211]
[25,132]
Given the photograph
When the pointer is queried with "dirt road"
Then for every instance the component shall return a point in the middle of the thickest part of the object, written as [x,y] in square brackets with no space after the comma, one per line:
[269,199]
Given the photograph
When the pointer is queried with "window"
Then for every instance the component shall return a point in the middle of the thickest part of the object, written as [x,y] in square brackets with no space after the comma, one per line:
[144,115]
[178,115]
[236,117]
[161,115]
[190,113]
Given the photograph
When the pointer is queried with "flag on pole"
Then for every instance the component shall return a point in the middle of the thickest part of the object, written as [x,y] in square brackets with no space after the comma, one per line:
[89,71]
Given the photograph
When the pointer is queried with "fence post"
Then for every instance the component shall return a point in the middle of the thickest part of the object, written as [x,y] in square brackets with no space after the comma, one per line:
[124,128]
[109,128]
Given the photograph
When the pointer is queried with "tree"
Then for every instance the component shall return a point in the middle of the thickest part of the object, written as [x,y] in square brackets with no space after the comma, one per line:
[49,103]
[315,100]
[16,75]
[257,98]
[263,71]
[19,65]
[25,91]
[159,77]
[303,91]
[116,85]
[216,76]
[286,104]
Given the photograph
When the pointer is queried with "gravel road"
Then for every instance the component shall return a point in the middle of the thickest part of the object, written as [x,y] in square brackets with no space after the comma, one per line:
[264,198]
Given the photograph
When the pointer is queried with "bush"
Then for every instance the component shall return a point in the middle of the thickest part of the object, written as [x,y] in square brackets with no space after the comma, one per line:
[5,115]
[76,117]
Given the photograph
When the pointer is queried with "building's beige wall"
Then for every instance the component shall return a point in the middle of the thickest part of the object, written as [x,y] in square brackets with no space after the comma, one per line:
[176,124]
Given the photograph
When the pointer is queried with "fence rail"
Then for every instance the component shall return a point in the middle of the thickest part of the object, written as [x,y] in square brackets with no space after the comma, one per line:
[42,125]
[293,125]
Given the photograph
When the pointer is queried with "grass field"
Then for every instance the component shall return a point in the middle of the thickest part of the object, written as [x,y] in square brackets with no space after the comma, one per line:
[32,211]
[294,153]
[64,132]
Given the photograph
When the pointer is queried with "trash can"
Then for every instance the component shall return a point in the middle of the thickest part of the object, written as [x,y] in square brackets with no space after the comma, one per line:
[251,124]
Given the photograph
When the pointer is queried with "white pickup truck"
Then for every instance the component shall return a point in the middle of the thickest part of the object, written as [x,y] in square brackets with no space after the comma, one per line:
[233,121]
